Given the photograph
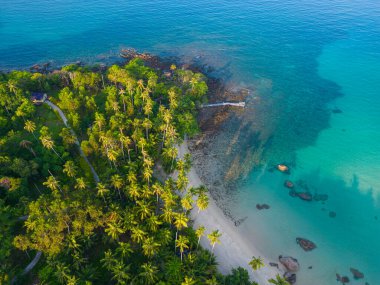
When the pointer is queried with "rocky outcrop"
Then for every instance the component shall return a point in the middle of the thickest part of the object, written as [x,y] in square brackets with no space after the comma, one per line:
[306,244]
[289,184]
[306,196]
[291,264]
[357,274]
[262,206]
[290,277]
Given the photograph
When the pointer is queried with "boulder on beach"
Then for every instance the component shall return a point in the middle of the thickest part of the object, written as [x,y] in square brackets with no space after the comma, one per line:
[357,274]
[290,263]
[273,264]
[289,184]
[306,196]
[306,244]
[290,277]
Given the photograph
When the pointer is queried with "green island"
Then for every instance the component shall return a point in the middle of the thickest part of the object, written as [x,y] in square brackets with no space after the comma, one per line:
[92,190]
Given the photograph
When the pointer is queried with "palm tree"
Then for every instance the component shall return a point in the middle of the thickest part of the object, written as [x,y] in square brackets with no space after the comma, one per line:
[188,281]
[202,202]
[119,273]
[114,230]
[214,238]
[187,202]
[102,191]
[182,244]
[157,189]
[143,209]
[28,145]
[180,222]
[200,231]
[137,234]
[149,273]
[150,247]
[124,249]
[256,263]
[48,143]
[117,182]
[69,168]
[80,184]
[52,184]
[278,281]
[30,127]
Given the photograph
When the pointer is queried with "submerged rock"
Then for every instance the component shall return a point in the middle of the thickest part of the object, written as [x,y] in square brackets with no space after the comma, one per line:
[320,197]
[293,193]
[332,214]
[262,206]
[306,244]
[306,196]
[289,184]
[345,279]
[289,262]
[357,274]
[290,277]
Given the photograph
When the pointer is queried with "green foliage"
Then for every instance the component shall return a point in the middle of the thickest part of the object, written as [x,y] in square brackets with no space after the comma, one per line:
[129,228]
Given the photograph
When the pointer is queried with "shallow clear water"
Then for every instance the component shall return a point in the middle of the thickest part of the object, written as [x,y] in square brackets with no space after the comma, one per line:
[313,56]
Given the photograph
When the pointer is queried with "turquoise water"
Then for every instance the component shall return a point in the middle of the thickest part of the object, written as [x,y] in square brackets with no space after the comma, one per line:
[310,57]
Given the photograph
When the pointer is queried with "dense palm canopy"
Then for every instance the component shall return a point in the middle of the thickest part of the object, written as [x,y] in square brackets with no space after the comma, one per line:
[123,228]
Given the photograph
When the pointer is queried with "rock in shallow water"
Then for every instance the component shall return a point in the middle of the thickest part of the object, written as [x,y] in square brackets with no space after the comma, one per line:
[306,196]
[357,274]
[289,184]
[290,277]
[307,245]
[289,262]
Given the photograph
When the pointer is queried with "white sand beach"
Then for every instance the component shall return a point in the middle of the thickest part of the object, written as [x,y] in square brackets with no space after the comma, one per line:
[234,250]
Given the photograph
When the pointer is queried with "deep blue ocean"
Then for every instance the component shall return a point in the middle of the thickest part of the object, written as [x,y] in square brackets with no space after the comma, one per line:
[308,57]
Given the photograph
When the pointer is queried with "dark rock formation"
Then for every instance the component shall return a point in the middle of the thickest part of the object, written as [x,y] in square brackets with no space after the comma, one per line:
[337,111]
[306,244]
[306,196]
[345,280]
[289,184]
[262,206]
[273,264]
[357,274]
[320,197]
[290,263]
[332,214]
[290,277]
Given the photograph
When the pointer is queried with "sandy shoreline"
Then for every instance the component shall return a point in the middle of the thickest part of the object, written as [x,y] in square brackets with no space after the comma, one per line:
[234,250]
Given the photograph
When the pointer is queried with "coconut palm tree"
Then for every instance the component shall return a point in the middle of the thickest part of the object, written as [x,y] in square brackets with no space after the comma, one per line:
[214,238]
[114,230]
[187,202]
[180,222]
[202,202]
[80,184]
[150,247]
[137,234]
[69,168]
[48,143]
[102,191]
[30,127]
[188,281]
[28,145]
[149,273]
[256,263]
[278,281]
[182,244]
[124,249]
[52,184]
[200,231]
[117,182]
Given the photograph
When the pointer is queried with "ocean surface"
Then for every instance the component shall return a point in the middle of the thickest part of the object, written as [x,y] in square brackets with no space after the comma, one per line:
[317,61]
